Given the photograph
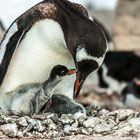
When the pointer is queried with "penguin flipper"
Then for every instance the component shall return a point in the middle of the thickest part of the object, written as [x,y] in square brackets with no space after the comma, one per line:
[10,49]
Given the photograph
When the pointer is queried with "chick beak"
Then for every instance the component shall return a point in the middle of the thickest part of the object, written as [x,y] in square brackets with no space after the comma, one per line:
[78,84]
[71,71]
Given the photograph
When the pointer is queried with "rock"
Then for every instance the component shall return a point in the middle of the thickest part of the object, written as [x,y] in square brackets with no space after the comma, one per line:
[104,126]
[1,134]
[22,121]
[52,134]
[93,110]
[38,135]
[19,134]
[66,119]
[82,119]
[28,128]
[134,122]
[35,124]
[122,114]
[9,129]
[52,126]
[91,122]
[73,127]
[83,131]
[103,112]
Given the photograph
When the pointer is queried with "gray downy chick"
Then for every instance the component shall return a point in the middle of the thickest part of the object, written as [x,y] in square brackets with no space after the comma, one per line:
[62,104]
[29,99]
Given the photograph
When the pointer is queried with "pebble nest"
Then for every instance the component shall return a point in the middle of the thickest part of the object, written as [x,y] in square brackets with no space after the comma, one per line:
[96,123]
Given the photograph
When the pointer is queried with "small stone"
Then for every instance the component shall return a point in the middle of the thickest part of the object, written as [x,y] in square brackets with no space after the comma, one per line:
[82,119]
[90,130]
[71,128]
[22,121]
[35,124]
[103,112]
[91,122]
[122,114]
[55,118]
[9,120]
[28,128]
[50,115]
[9,129]
[38,126]
[134,122]
[28,134]
[52,126]
[1,133]
[66,119]
[47,122]
[85,132]
[93,110]
[52,133]
[103,127]
[20,134]
[39,135]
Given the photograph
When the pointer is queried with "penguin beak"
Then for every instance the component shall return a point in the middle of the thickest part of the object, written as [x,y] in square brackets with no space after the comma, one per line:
[71,71]
[138,83]
[80,78]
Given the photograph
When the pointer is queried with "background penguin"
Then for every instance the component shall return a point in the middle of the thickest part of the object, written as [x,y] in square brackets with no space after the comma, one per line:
[118,69]
[30,98]
[131,94]
[50,33]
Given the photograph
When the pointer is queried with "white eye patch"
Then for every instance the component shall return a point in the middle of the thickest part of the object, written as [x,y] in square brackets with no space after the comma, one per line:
[81,54]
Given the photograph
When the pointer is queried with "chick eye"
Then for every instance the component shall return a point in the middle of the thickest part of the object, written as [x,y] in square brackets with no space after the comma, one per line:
[62,73]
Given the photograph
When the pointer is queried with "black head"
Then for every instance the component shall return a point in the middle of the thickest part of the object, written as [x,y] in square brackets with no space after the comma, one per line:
[85,40]
[60,71]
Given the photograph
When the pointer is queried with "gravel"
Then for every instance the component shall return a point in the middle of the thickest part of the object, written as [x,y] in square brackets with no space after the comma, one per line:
[101,122]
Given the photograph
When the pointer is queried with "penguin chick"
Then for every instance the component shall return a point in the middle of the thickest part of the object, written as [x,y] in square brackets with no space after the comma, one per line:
[29,99]
[62,104]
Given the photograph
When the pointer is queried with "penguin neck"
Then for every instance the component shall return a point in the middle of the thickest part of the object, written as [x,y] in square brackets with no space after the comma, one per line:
[50,85]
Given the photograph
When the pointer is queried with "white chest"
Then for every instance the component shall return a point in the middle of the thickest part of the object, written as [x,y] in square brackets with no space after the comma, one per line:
[114,85]
[42,48]
[132,101]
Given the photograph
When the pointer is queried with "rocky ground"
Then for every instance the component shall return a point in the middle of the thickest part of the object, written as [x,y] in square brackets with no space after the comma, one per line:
[99,123]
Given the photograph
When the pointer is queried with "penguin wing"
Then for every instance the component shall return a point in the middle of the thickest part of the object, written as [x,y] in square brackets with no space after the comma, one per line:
[8,47]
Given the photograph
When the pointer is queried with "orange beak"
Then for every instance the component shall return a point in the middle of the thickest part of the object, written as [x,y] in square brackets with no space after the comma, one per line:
[76,87]
[71,71]
[80,78]
[138,83]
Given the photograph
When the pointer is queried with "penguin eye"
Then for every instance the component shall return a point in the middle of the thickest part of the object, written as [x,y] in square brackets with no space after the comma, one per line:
[62,73]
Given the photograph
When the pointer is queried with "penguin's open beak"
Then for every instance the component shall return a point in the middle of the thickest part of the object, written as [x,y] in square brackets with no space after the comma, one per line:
[71,71]
[80,78]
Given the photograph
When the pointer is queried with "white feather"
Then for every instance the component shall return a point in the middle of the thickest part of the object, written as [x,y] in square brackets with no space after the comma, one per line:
[42,48]
[82,55]
[114,85]
[132,101]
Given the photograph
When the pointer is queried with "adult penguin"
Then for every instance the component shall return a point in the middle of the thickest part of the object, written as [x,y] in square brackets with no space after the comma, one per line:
[50,33]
